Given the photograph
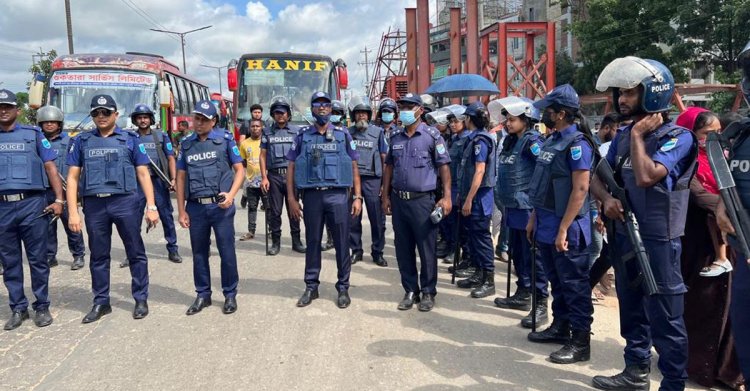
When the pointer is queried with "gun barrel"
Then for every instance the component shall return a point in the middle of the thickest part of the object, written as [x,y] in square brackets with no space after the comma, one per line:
[639,250]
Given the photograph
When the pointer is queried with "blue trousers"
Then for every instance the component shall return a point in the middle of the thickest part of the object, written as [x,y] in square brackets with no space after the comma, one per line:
[568,273]
[370,186]
[75,239]
[99,215]
[521,256]
[656,319]
[276,199]
[203,218]
[480,240]
[412,228]
[327,207]
[166,211]
[740,312]
[18,225]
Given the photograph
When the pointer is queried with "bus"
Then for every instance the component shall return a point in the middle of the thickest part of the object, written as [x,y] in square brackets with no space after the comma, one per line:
[130,78]
[225,108]
[260,77]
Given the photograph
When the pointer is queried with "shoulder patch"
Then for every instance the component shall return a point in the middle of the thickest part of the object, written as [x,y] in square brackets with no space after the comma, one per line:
[169,146]
[576,152]
[46,144]
[440,148]
[353,145]
[477,149]
[669,145]
[142,148]
[236,150]
[535,149]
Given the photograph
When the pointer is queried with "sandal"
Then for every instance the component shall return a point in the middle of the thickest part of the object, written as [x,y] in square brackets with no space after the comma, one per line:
[247,236]
[716,269]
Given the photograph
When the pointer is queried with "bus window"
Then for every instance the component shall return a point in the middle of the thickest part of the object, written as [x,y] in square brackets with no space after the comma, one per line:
[175,93]
[196,92]
[183,96]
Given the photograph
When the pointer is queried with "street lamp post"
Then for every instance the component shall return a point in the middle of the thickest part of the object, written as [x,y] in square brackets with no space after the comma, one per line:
[182,40]
[218,69]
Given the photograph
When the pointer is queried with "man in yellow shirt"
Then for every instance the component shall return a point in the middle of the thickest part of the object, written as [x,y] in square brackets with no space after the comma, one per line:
[250,153]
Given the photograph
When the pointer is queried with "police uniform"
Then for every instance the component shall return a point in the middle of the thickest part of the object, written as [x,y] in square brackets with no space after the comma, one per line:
[60,143]
[371,146]
[208,166]
[23,180]
[323,173]
[456,145]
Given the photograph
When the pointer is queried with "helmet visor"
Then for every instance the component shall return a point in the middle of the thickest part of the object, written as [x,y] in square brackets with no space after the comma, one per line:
[625,72]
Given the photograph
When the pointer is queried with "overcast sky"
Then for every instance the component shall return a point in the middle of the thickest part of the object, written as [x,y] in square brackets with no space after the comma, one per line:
[337,28]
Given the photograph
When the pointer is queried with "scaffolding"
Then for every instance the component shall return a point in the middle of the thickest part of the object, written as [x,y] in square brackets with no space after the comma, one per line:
[389,75]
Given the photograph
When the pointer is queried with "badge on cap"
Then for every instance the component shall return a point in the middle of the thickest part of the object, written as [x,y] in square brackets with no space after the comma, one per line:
[669,145]
[477,149]
[409,95]
[205,106]
[46,144]
[102,100]
[3,95]
[441,149]
[576,152]
[535,149]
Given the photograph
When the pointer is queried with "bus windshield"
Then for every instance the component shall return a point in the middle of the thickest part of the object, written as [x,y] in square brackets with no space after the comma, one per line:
[262,79]
[72,91]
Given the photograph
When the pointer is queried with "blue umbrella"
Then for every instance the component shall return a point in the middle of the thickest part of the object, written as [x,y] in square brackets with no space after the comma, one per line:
[463,84]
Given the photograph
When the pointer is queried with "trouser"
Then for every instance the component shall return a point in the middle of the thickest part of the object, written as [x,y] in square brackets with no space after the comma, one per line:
[451,222]
[480,240]
[740,314]
[166,211]
[568,273]
[370,186]
[412,228]
[522,258]
[253,195]
[331,206]
[276,199]
[75,239]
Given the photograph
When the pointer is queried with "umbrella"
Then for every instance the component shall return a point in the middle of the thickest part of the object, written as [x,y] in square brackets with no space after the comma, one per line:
[463,84]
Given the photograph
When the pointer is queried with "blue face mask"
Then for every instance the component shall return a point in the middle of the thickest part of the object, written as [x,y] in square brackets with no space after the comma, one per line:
[387,117]
[407,117]
[335,118]
[321,119]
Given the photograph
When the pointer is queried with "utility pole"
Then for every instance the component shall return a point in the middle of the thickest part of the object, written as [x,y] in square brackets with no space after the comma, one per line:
[367,68]
[70,26]
[182,40]
[221,91]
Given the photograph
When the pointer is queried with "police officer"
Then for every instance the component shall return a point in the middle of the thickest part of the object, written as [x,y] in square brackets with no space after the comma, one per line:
[28,167]
[372,147]
[454,223]
[109,161]
[439,120]
[415,157]
[323,165]
[161,154]
[50,119]
[276,142]
[561,225]
[386,116]
[338,114]
[516,162]
[428,106]
[655,161]
[206,187]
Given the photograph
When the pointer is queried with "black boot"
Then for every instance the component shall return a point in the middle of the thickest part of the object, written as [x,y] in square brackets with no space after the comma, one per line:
[474,281]
[297,245]
[488,285]
[541,314]
[521,300]
[356,257]
[558,332]
[275,245]
[578,348]
[634,377]
[463,264]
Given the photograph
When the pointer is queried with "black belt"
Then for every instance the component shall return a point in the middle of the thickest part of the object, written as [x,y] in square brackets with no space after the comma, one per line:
[279,171]
[18,196]
[410,195]
[205,200]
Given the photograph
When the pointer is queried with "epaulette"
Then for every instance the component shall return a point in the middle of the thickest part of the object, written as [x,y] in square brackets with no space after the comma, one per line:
[433,132]
[30,127]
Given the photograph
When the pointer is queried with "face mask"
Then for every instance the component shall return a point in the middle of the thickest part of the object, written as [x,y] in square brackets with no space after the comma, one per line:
[335,118]
[321,119]
[407,117]
[547,120]
[387,117]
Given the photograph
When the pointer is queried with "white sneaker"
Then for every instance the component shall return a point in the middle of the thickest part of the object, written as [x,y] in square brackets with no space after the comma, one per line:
[716,269]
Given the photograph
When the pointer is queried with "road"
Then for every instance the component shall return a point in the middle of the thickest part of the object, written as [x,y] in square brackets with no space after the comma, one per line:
[270,344]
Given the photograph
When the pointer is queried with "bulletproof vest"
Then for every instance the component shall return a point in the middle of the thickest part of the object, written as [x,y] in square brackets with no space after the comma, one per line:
[61,145]
[739,163]
[279,143]
[514,173]
[152,149]
[468,165]
[107,164]
[323,163]
[21,167]
[552,181]
[661,213]
[414,168]
[209,171]
[456,152]
[370,162]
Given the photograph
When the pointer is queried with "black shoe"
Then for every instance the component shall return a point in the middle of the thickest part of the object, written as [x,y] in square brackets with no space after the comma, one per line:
[275,246]
[408,301]
[199,304]
[472,282]
[520,300]
[465,273]
[307,297]
[230,305]
[42,318]
[578,348]
[343,300]
[328,244]
[634,377]
[379,260]
[141,309]
[16,319]
[558,332]
[124,263]
[463,264]
[541,314]
[52,261]
[427,302]
[78,263]
[356,257]
[448,259]
[97,311]
[488,285]
[243,202]
[297,245]
[175,257]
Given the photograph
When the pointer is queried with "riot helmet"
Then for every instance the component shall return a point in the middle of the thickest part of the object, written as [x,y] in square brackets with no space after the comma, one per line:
[515,106]
[743,60]
[390,105]
[280,103]
[49,114]
[656,81]
[142,109]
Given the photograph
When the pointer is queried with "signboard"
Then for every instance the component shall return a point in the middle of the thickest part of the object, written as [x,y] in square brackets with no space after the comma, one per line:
[115,80]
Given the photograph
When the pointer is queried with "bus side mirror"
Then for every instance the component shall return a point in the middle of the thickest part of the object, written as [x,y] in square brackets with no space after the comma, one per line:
[36,93]
[232,74]
[343,74]
[164,95]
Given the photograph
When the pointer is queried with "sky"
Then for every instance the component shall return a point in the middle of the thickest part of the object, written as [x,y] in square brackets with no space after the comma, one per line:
[337,28]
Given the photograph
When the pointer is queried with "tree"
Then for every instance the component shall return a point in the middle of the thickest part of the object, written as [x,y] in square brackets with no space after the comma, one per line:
[41,70]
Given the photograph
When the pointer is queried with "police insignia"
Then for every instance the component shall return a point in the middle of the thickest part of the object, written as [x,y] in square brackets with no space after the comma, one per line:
[205,106]
[3,95]
[535,149]
[353,145]
[142,148]
[169,146]
[263,139]
[294,145]
[477,149]
[102,100]
[576,152]
[236,150]
[441,149]
[46,144]
[669,145]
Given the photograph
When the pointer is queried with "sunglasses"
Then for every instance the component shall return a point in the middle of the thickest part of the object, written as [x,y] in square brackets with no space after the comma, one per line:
[102,112]
[319,105]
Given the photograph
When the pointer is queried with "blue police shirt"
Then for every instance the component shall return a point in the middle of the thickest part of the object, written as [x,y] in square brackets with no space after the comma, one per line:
[518,218]
[408,149]
[166,143]
[232,151]
[43,148]
[137,153]
[484,196]
[297,145]
[580,157]
[264,142]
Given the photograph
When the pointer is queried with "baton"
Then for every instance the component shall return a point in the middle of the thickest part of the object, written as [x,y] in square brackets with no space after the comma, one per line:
[45,213]
[457,251]
[533,285]
[510,261]
[63,181]
[264,198]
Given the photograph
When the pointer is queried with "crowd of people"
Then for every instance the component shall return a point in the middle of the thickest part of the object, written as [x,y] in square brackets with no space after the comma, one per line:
[637,195]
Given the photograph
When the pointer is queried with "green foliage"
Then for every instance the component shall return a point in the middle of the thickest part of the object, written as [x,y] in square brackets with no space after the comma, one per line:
[564,69]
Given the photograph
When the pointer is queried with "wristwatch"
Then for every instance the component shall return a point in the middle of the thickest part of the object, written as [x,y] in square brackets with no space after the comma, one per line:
[59,201]
[357,197]
[152,208]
